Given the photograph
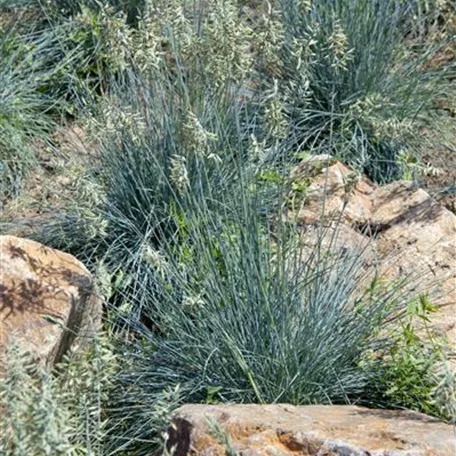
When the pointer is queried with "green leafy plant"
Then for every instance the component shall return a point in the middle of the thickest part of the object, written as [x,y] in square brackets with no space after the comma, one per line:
[407,371]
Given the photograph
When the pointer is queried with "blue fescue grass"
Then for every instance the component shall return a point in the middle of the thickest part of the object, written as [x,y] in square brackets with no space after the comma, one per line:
[351,87]
[24,109]
[242,313]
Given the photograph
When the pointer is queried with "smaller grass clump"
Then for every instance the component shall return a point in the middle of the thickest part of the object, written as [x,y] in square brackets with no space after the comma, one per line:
[58,413]
[240,313]
[24,108]
[349,85]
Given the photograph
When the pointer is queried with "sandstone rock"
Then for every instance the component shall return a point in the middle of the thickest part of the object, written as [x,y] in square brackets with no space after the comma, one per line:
[340,239]
[47,300]
[410,233]
[419,234]
[312,166]
[280,430]
[334,190]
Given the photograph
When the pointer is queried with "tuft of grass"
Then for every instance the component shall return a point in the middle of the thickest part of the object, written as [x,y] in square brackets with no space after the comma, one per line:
[240,313]
[24,108]
[222,436]
[349,85]
[57,413]
[158,142]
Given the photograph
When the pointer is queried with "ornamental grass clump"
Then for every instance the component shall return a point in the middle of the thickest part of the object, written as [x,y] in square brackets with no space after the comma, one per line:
[159,141]
[24,105]
[178,159]
[240,312]
[348,84]
[60,412]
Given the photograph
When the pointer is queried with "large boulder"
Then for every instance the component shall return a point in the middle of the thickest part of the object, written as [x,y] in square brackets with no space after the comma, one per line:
[411,235]
[281,430]
[47,300]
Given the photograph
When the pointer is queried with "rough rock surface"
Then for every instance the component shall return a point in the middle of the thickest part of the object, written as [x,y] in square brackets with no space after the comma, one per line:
[280,430]
[410,233]
[47,300]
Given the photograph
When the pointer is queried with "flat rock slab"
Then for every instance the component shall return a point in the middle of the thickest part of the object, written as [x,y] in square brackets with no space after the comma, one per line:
[280,430]
[47,299]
